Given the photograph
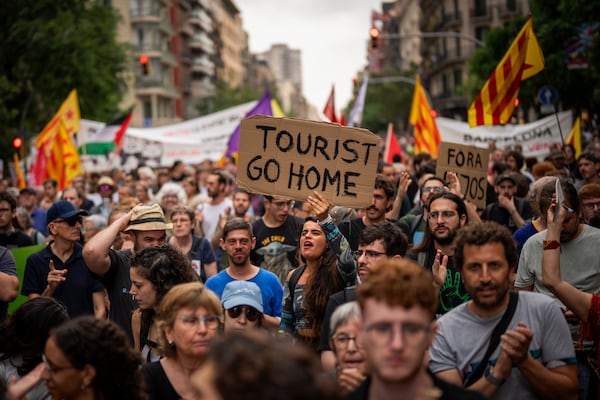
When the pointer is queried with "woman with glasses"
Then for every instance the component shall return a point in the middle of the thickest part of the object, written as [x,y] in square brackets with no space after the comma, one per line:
[22,340]
[189,318]
[328,267]
[90,358]
[347,346]
[154,270]
[242,302]
[197,248]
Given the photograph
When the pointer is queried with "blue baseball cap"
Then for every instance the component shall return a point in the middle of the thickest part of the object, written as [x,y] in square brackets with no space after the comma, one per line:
[242,293]
[62,209]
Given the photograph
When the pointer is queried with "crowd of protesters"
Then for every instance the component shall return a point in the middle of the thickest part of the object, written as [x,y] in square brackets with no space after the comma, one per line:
[168,283]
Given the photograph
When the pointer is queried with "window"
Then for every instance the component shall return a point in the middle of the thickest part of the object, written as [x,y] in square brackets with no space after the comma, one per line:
[457,78]
[511,5]
[480,8]
[481,33]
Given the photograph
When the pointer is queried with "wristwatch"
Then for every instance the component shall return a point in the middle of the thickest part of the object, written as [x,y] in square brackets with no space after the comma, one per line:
[489,375]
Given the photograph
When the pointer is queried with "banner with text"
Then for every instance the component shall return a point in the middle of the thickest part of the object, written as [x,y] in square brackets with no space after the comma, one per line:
[535,137]
[292,158]
[470,165]
[191,141]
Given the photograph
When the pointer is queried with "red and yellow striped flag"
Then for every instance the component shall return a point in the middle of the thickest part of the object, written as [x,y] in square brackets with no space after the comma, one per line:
[426,134]
[495,103]
[68,113]
[574,138]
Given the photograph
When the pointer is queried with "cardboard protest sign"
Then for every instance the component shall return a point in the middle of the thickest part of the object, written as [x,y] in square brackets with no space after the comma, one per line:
[292,158]
[470,164]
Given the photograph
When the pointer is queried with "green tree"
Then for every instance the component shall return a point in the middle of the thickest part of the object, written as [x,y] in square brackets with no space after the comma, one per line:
[555,22]
[48,48]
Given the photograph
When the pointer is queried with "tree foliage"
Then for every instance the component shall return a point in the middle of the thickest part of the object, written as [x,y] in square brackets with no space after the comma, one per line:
[555,23]
[48,48]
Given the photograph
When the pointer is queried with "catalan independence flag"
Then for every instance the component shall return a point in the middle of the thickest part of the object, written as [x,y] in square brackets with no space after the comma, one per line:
[426,134]
[495,103]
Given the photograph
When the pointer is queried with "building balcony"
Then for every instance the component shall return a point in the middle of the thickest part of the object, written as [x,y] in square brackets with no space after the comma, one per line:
[510,10]
[144,14]
[450,20]
[203,65]
[154,86]
[165,26]
[201,19]
[203,43]
[483,15]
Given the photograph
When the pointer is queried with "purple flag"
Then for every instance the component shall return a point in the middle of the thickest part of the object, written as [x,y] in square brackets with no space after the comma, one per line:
[263,107]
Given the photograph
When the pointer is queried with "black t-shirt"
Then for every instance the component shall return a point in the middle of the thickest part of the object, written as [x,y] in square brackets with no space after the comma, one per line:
[335,300]
[158,386]
[276,248]
[118,284]
[494,212]
[14,239]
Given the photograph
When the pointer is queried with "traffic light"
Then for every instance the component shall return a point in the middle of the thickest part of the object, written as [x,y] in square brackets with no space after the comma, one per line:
[145,63]
[17,143]
[374,32]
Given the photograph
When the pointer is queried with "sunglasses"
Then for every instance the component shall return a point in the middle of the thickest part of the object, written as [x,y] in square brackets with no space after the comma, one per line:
[71,221]
[251,313]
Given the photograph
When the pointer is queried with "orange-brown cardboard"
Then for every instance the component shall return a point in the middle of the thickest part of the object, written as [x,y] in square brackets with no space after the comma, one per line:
[470,164]
[291,158]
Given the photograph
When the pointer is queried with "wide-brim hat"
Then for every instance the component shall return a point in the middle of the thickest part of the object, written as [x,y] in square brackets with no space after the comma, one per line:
[148,218]
[106,180]
[242,293]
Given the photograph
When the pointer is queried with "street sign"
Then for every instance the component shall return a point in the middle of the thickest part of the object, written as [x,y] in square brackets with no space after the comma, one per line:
[547,109]
[548,95]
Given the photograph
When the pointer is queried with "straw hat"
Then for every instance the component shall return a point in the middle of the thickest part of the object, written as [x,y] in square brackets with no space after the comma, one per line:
[148,218]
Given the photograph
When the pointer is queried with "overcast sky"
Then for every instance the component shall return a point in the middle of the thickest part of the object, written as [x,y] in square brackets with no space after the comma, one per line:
[332,35]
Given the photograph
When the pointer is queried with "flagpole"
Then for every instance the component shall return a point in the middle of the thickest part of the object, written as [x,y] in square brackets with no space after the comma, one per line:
[562,139]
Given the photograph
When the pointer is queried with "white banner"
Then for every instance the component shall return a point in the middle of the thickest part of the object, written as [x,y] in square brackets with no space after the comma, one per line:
[191,141]
[535,137]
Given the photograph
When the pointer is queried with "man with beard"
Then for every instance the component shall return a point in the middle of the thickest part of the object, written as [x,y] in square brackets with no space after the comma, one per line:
[446,214]
[143,226]
[216,184]
[398,304]
[237,241]
[533,358]
[509,210]
[580,266]
[383,197]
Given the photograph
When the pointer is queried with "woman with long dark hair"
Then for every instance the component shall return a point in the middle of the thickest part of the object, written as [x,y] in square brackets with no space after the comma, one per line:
[327,268]
[154,271]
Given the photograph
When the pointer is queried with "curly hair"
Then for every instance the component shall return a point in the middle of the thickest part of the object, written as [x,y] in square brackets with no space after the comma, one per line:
[400,282]
[192,295]
[25,332]
[103,345]
[321,285]
[483,233]
[257,365]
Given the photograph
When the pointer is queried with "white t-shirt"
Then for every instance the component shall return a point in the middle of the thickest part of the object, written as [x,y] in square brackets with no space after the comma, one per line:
[211,216]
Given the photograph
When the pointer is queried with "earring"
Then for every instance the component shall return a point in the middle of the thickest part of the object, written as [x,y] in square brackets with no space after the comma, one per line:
[170,342]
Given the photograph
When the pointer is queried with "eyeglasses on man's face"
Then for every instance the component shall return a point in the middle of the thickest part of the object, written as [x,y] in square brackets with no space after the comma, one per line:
[382,333]
[434,189]
[369,254]
[283,204]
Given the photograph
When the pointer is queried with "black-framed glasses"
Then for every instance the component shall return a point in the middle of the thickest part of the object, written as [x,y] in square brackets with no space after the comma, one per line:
[210,321]
[434,189]
[70,221]
[590,206]
[342,341]
[4,210]
[54,369]
[369,254]
[382,333]
[252,314]
[434,215]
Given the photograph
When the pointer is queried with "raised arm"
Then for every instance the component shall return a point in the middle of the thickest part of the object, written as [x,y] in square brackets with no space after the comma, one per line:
[95,252]
[337,242]
[403,184]
[577,301]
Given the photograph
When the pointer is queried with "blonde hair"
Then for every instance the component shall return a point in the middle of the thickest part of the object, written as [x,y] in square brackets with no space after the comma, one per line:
[192,295]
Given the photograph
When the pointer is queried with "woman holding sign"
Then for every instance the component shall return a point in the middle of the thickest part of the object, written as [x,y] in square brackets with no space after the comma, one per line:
[327,268]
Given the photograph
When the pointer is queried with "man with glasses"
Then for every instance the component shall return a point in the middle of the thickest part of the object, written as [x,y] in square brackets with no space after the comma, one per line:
[398,304]
[237,241]
[446,214]
[416,218]
[277,234]
[589,195]
[381,241]
[59,269]
[534,357]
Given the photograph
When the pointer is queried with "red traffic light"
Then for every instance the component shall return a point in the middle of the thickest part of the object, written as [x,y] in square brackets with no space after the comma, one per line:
[374,32]
[145,63]
[144,59]
[17,143]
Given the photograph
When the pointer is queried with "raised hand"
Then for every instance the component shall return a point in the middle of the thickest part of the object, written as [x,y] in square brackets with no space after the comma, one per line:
[439,268]
[320,205]
[55,277]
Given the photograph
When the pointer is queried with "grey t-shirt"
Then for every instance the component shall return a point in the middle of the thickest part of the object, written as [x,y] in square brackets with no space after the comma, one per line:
[463,338]
[579,262]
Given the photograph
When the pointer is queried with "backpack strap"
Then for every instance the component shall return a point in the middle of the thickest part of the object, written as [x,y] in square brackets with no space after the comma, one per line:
[295,278]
